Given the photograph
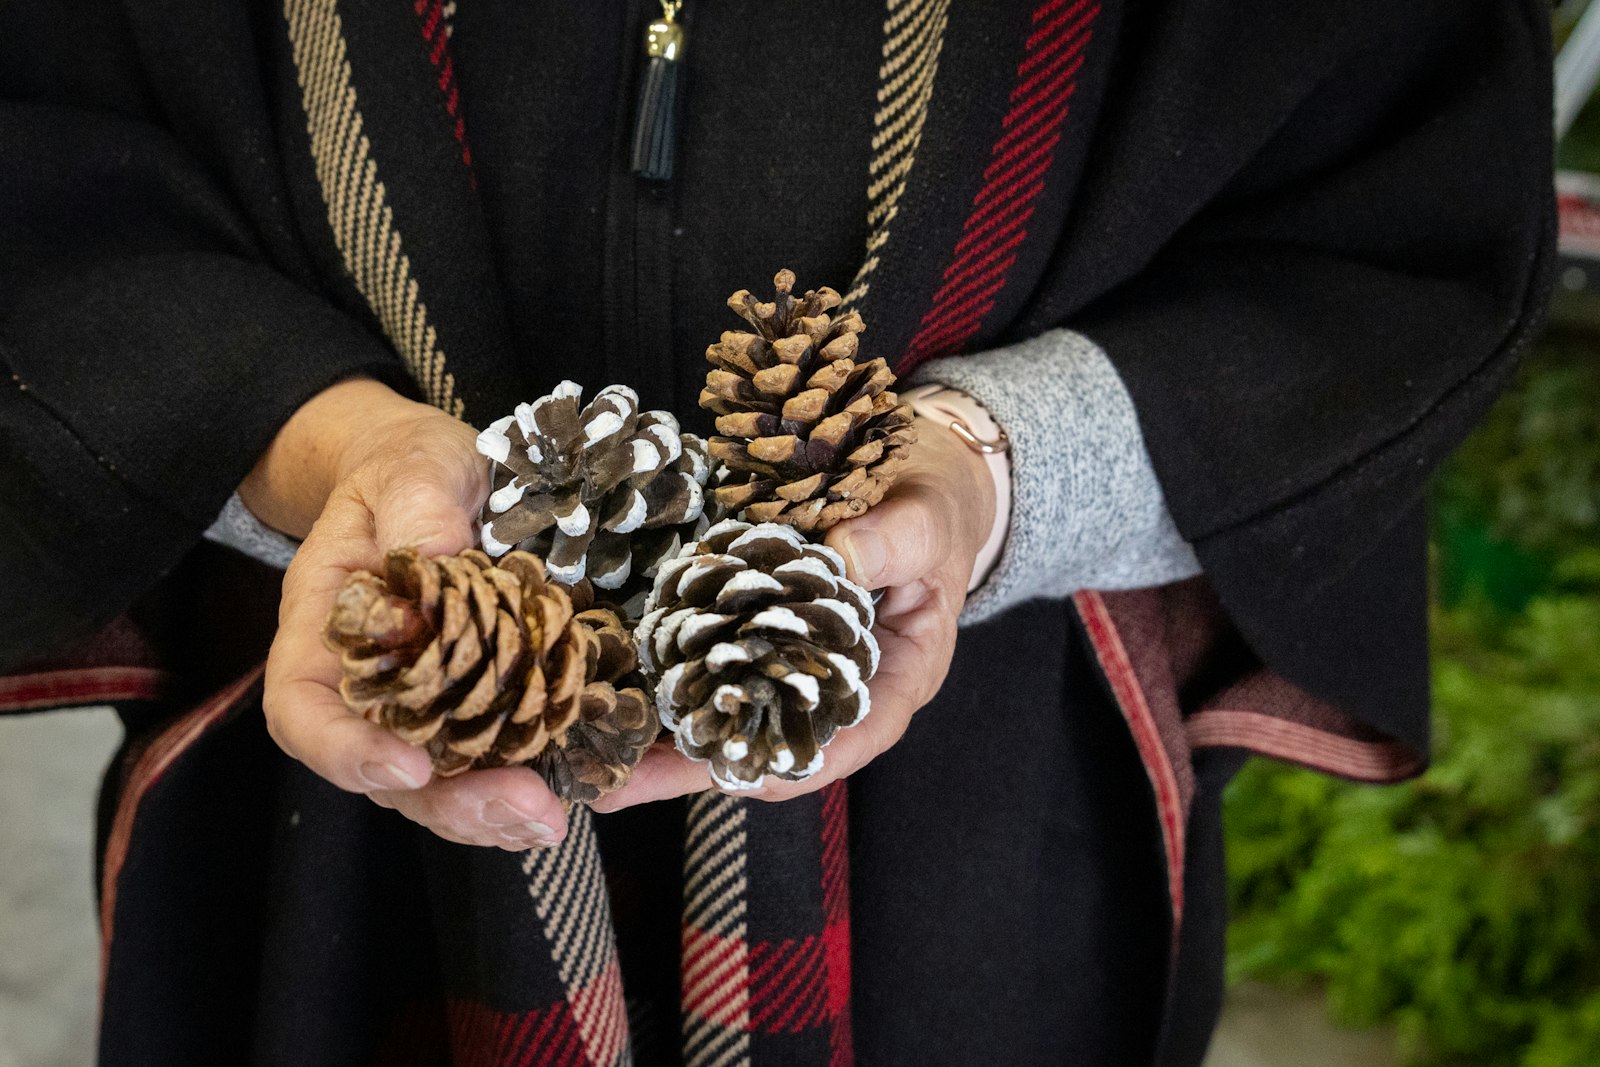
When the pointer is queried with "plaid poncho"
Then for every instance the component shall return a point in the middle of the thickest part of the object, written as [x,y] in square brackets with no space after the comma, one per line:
[1312,241]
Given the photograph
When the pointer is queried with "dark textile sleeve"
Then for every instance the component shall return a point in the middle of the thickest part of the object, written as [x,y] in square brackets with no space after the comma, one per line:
[1309,347]
[148,355]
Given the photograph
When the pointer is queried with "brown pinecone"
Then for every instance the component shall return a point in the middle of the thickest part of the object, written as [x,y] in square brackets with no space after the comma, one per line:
[600,750]
[760,649]
[809,436]
[484,663]
[604,492]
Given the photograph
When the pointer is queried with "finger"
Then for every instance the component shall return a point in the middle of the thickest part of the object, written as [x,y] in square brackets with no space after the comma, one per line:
[914,521]
[428,501]
[508,807]
[662,773]
[305,714]
[309,720]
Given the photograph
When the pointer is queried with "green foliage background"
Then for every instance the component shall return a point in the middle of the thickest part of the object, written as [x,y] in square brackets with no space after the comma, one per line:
[1464,907]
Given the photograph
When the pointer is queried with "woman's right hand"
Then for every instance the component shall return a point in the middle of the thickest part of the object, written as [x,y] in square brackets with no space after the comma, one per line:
[359,470]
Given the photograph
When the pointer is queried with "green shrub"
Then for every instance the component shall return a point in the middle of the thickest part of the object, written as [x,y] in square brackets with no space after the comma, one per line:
[1464,907]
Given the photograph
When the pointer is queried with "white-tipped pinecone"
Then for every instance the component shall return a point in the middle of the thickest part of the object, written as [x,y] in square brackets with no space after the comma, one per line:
[760,649]
[604,492]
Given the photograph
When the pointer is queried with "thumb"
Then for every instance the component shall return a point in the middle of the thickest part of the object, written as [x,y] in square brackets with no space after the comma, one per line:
[902,539]
[430,504]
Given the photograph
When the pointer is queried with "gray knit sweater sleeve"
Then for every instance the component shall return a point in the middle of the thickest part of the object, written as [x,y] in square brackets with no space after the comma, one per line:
[1086,509]
[237,528]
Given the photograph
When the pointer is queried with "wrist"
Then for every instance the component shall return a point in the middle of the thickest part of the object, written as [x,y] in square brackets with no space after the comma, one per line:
[987,452]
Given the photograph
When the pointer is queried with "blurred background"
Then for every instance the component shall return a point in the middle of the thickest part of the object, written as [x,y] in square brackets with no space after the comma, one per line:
[1458,915]
[1453,920]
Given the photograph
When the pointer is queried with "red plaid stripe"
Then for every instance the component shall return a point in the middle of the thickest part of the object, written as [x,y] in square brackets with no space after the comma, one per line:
[1019,163]
[483,1037]
[836,909]
[435,25]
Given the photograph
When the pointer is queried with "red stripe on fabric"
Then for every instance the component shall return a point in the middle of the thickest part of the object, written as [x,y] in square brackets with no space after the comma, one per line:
[436,32]
[802,1003]
[973,270]
[976,288]
[557,1041]
[1047,128]
[541,1039]
[964,306]
[1016,212]
[836,955]
[82,686]
[1118,669]
[1049,90]
[766,955]
[1053,27]
[1005,183]
[602,1018]
[156,759]
[481,1036]
[714,1009]
[968,314]
[708,988]
[514,1035]
[1043,11]
[835,853]
[1035,58]
[836,912]
[1019,161]
[1058,71]
[1044,115]
[703,953]
[431,21]
[771,990]
[1367,761]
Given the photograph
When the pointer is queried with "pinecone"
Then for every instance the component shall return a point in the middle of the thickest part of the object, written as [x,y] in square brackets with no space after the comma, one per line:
[600,750]
[605,492]
[484,663]
[809,437]
[760,648]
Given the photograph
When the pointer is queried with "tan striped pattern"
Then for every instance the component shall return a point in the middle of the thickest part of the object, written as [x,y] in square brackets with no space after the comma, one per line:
[913,36]
[363,224]
[716,953]
[568,889]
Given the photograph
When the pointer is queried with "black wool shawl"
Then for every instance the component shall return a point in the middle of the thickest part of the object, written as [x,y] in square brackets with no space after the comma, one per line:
[1312,240]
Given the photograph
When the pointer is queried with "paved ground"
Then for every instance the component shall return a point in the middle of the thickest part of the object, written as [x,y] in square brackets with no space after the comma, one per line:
[49,770]
[49,767]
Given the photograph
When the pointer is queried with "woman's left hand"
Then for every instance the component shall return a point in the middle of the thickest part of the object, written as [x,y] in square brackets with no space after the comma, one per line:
[919,543]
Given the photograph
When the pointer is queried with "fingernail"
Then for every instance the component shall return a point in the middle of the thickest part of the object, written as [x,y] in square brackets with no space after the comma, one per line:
[504,813]
[387,776]
[866,553]
[530,835]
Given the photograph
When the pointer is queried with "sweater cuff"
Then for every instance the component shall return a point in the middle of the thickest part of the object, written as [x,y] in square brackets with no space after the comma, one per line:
[238,528]
[1086,509]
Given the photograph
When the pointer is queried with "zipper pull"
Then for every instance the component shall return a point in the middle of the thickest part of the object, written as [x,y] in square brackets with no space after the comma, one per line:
[655,129]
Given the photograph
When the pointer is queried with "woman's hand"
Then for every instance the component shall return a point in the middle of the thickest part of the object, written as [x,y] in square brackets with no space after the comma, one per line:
[357,471]
[919,543]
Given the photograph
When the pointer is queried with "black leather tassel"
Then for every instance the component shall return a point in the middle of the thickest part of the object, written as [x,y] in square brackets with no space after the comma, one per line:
[655,128]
